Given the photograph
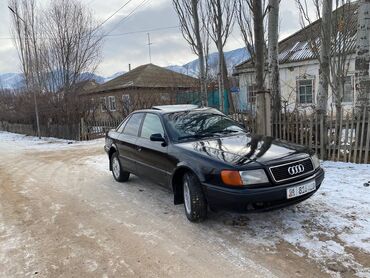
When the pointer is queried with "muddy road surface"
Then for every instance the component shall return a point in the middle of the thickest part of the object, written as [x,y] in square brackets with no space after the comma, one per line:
[62,216]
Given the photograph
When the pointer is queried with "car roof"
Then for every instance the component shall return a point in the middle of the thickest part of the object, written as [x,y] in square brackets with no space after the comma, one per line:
[163,109]
[175,107]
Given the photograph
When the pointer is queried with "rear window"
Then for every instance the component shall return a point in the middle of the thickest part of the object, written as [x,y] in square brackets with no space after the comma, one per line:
[133,125]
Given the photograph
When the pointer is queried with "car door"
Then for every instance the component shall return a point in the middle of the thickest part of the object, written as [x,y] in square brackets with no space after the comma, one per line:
[153,160]
[126,143]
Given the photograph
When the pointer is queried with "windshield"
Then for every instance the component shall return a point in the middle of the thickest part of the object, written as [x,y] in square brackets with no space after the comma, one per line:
[187,125]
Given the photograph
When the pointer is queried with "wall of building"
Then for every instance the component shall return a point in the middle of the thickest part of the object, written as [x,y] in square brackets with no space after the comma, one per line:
[126,101]
[289,76]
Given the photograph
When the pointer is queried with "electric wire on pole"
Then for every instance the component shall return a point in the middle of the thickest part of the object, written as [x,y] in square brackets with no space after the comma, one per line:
[27,80]
[149,44]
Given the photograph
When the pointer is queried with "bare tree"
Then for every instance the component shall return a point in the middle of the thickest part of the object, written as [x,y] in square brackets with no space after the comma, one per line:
[325,38]
[73,45]
[221,16]
[244,16]
[363,55]
[323,53]
[342,37]
[25,30]
[194,31]
[263,98]
[273,53]
[56,45]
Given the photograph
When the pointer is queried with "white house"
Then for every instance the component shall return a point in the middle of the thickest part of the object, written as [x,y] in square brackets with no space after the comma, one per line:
[299,69]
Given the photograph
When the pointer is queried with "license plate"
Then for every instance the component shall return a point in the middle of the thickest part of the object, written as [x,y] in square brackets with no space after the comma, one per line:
[300,190]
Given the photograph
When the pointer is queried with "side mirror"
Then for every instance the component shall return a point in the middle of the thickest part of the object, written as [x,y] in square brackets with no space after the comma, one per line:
[157,137]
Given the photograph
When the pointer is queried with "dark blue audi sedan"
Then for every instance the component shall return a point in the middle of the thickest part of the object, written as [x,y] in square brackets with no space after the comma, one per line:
[210,161]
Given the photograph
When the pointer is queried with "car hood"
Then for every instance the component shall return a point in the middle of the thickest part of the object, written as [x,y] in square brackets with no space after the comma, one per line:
[241,149]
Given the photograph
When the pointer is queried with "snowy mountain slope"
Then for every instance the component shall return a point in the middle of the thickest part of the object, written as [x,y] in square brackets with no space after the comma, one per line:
[233,57]
[11,80]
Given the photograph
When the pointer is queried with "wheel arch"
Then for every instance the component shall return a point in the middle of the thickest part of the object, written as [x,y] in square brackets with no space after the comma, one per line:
[112,150]
[176,182]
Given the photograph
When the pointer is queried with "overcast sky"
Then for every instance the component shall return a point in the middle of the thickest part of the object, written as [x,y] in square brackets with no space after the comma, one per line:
[119,49]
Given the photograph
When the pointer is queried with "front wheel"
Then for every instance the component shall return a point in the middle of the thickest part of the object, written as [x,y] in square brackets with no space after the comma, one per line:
[118,174]
[194,201]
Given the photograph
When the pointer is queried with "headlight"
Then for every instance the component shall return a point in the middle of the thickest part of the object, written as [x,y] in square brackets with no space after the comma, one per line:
[240,178]
[315,161]
[253,177]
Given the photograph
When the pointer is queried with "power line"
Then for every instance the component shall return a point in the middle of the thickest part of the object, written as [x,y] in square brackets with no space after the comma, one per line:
[121,34]
[142,3]
[120,8]
[144,31]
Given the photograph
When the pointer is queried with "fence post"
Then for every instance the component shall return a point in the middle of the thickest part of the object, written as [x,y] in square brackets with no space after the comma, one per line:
[367,139]
[82,129]
[322,137]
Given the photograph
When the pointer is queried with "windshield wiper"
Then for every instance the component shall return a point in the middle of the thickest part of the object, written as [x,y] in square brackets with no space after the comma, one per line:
[225,131]
[197,136]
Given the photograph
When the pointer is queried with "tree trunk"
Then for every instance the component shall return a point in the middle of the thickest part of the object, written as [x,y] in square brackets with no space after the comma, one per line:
[339,85]
[363,55]
[324,74]
[263,98]
[202,69]
[273,52]
[322,95]
[221,86]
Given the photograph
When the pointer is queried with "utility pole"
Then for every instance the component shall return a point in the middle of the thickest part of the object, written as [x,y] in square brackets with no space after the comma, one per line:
[26,74]
[149,44]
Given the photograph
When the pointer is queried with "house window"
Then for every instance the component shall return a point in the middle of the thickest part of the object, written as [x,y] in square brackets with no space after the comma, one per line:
[103,104]
[126,100]
[112,103]
[305,91]
[165,97]
[348,90]
[252,94]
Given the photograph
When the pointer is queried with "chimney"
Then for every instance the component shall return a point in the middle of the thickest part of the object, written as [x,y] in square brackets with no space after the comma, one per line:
[129,67]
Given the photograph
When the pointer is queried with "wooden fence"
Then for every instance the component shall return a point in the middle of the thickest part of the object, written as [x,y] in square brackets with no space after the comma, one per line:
[64,131]
[96,129]
[346,138]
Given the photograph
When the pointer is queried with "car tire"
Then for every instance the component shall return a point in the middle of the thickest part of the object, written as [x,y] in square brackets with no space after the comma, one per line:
[194,201]
[118,173]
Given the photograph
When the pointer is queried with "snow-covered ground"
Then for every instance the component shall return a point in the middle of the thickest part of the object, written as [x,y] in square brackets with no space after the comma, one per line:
[331,228]
[45,143]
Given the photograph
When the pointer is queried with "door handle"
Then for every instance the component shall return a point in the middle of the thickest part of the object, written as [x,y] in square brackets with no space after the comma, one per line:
[139,149]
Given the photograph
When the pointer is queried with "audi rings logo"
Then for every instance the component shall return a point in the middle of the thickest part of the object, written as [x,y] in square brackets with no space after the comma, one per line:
[296,169]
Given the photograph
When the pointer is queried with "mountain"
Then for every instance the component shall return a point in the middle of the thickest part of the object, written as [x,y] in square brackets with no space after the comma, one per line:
[232,58]
[11,80]
[114,76]
[16,81]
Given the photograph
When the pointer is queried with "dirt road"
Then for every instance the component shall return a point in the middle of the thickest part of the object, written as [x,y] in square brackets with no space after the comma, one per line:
[62,217]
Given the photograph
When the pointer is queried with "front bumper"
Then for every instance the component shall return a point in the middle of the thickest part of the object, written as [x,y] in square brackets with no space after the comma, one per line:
[257,199]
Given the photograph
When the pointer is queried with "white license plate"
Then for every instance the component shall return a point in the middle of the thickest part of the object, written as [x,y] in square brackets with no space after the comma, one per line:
[300,190]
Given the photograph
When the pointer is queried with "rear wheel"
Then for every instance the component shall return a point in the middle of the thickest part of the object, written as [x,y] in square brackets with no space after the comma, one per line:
[194,201]
[118,173]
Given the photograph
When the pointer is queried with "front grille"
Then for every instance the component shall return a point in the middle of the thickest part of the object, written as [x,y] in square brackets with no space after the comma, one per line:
[291,170]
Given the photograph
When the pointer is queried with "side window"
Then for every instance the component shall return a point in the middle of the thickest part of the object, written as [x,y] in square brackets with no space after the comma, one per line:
[122,126]
[133,124]
[152,124]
